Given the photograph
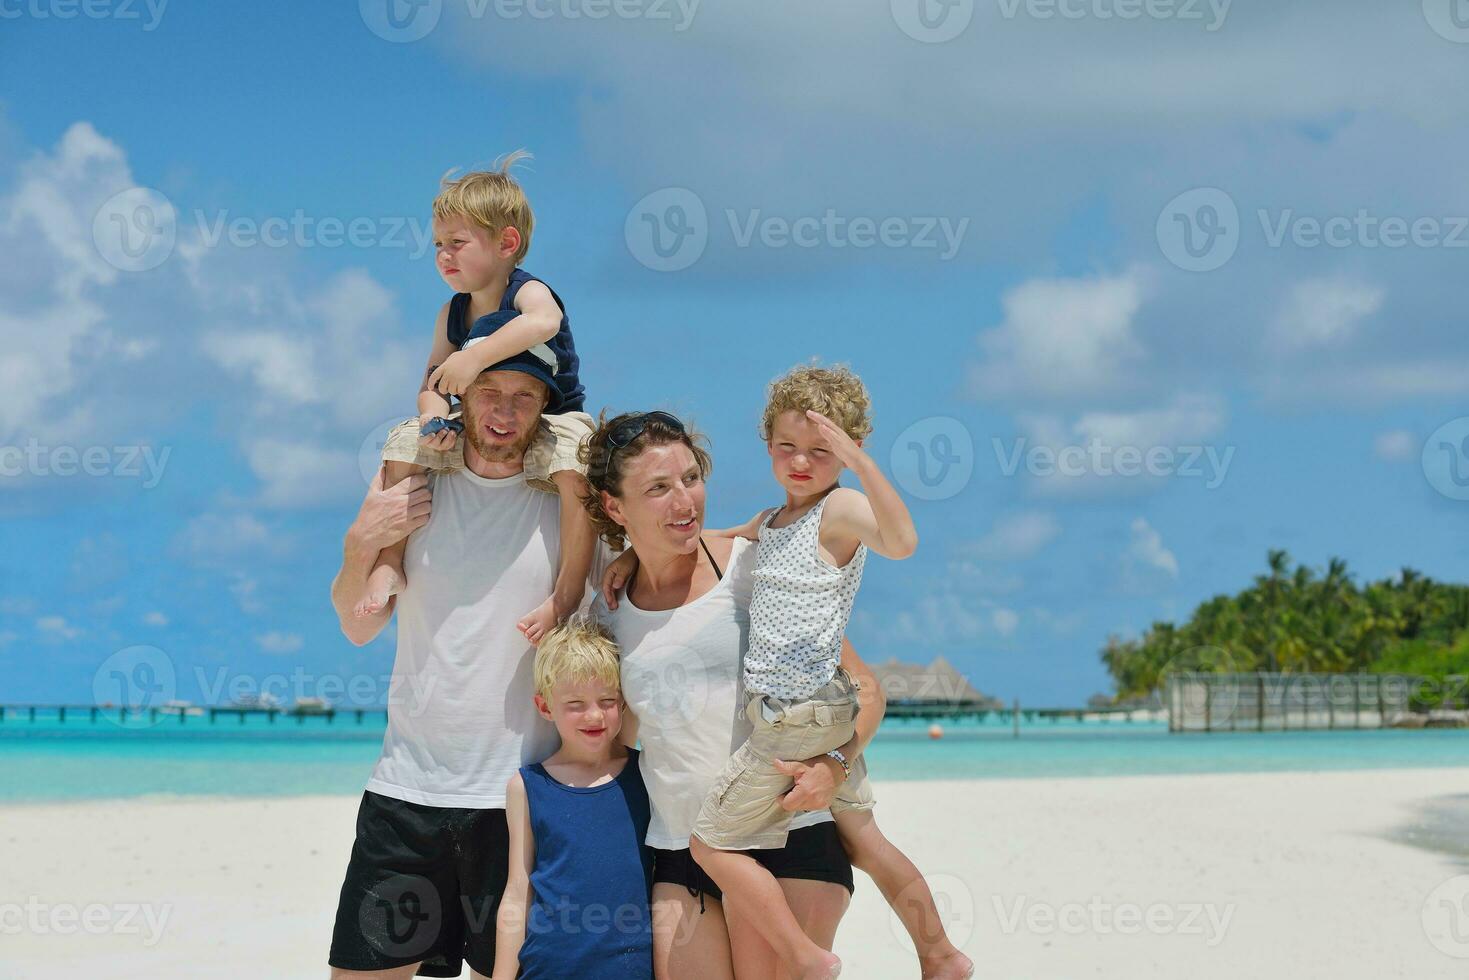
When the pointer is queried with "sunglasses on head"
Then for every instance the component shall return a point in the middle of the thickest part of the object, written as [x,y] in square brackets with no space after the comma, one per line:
[625,432]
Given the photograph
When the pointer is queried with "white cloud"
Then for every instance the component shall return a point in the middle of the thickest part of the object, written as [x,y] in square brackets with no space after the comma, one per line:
[278,642]
[1062,339]
[221,538]
[246,592]
[1146,549]
[56,628]
[1016,536]
[1324,313]
[1005,620]
[944,617]
[1100,452]
[155,618]
[298,474]
[1395,446]
[272,345]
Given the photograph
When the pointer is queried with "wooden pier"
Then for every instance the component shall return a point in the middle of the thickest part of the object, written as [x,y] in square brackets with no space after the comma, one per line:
[164,715]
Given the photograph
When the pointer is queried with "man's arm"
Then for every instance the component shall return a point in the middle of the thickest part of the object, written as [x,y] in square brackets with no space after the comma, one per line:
[817,779]
[386,516]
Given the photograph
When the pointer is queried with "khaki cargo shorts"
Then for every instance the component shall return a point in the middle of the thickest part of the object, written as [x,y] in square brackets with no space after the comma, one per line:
[742,810]
[553,449]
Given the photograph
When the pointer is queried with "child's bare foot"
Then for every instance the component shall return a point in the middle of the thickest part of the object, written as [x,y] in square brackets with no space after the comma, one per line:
[540,621]
[826,966]
[955,966]
[381,584]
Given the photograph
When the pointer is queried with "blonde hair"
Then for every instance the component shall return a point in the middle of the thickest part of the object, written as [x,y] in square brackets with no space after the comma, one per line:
[491,199]
[580,649]
[835,392]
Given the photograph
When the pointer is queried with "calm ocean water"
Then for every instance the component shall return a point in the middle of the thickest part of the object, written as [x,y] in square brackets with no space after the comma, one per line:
[44,760]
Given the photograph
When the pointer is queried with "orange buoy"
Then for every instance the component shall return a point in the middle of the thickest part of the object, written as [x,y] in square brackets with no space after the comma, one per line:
[935,731]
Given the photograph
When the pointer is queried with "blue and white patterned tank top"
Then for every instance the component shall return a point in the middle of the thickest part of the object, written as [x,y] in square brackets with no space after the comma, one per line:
[799,609]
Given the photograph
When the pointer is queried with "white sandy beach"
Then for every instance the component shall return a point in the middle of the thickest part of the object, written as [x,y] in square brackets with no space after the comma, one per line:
[1240,875]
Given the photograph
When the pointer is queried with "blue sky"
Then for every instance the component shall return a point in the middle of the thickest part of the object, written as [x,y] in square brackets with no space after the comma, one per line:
[1083,230]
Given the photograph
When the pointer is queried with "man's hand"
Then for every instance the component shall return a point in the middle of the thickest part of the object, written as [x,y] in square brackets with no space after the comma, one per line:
[390,515]
[817,781]
[443,440]
[456,374]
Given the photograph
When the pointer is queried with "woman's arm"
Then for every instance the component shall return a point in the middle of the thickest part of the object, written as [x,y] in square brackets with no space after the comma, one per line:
[510,920]
[750,529]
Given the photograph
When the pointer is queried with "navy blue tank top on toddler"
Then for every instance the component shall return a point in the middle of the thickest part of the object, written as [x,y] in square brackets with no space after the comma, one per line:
[593,879]
[568,365]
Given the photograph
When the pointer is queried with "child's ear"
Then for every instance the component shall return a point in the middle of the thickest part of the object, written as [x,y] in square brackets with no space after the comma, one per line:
[543,708]
[509,240]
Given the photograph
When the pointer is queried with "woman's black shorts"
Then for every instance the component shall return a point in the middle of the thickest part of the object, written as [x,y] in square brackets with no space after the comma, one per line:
[812,853]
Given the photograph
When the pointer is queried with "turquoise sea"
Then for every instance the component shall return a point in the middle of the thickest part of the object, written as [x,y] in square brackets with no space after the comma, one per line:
[78,759]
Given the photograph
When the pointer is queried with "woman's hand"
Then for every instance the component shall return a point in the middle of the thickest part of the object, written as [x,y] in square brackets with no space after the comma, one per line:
[816,779]
[617,575]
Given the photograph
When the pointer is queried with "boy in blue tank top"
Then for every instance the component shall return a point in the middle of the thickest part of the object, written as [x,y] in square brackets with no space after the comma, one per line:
[576,900]
[499,315]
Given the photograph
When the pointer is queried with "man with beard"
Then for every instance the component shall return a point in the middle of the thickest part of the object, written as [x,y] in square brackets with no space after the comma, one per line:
[430,859]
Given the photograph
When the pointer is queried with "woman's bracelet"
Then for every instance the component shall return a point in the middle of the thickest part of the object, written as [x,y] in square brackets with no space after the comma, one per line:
[842,761]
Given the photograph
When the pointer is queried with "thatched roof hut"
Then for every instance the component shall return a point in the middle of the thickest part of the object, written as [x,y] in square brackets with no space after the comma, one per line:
[937,683]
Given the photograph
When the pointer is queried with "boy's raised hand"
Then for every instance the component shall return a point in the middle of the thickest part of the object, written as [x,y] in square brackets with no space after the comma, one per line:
[456,374]
[837,440]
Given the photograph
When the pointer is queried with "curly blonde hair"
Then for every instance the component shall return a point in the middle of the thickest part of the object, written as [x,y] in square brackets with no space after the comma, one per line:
[491,199]
[605,466]
[580,649]
[833,391]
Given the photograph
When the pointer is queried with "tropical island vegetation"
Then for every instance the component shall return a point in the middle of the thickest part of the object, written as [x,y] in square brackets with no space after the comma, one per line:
[1296,619]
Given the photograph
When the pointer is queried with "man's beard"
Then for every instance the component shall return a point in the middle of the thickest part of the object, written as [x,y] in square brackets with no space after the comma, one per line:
[495,454]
